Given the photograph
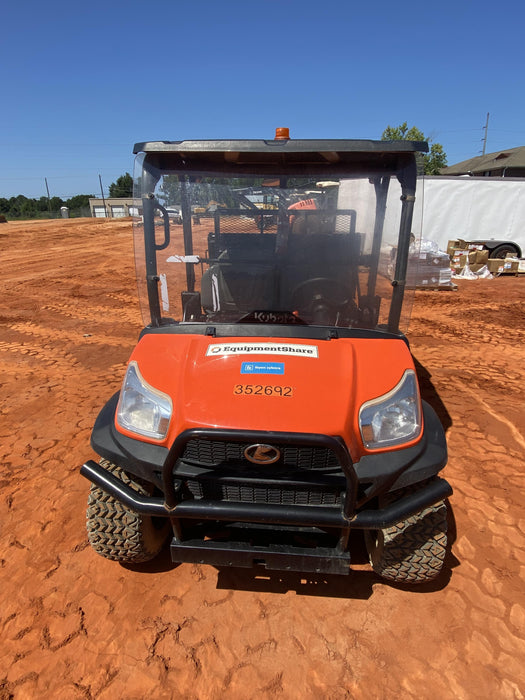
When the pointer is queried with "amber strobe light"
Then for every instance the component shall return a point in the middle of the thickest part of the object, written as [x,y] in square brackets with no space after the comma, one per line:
[282,133]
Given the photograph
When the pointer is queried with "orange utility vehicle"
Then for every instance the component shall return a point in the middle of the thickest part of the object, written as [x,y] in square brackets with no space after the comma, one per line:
[271,406]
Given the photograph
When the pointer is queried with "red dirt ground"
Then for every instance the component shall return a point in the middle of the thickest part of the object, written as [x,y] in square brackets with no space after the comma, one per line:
[74,625]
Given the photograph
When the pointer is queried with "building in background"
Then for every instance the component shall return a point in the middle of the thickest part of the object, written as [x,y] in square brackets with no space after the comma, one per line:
[507,163]
[112,207]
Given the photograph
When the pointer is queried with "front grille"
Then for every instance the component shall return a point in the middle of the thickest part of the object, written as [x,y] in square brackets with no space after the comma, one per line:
[217,470]
[213,453]
[271,495]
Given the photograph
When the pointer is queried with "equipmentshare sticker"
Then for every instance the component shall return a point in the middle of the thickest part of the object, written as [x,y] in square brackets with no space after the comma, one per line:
[290,349]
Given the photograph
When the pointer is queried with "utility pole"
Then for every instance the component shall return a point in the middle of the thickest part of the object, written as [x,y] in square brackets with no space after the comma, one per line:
[486,128]
[102,193]
[48,198]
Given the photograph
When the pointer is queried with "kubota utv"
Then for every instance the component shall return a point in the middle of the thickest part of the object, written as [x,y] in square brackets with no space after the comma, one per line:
[271,406]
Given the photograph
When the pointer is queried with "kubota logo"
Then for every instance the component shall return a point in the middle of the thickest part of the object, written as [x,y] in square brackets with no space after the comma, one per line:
[262,454]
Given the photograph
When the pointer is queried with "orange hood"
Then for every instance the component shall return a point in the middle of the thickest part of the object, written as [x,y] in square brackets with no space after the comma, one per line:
[291,385]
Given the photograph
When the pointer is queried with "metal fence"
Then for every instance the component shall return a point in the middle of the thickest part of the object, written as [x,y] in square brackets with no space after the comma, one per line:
[60,214]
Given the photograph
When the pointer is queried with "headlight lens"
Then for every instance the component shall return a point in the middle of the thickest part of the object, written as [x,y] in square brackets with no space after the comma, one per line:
[394,418]
[143,409]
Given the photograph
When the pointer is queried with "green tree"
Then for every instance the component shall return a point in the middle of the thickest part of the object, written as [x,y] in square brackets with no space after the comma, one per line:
[55,203]
[42,204]
[28,209]
[123,187]
[16,205]
[433,161]
[169,192]
[79,201]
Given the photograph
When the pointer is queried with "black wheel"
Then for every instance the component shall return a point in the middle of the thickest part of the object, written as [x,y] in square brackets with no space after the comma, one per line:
[118,533]
[501,251]
[413,551]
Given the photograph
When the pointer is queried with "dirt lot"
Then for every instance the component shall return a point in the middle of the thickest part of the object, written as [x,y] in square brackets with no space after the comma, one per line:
[74,625]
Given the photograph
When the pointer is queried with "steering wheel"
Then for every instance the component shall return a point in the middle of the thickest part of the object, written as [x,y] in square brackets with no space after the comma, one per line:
[322,298]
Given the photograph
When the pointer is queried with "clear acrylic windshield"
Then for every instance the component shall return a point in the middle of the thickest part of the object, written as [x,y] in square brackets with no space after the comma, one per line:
[287,250]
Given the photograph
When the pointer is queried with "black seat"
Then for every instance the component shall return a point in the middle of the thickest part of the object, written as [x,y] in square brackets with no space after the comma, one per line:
[242,273]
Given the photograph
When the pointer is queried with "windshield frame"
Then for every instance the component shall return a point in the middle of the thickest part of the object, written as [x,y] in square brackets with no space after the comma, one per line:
[317,160]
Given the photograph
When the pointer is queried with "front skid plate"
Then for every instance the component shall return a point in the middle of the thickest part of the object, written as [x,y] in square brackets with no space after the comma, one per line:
[280,558]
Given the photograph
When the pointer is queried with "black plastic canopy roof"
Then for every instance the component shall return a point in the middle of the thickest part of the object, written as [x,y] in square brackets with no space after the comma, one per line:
[282,146]
[293,156]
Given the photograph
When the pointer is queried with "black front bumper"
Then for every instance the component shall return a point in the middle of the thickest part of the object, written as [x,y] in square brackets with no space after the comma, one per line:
[311,516]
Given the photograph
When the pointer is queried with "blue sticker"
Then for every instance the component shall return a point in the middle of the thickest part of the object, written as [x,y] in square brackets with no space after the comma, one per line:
[262,368]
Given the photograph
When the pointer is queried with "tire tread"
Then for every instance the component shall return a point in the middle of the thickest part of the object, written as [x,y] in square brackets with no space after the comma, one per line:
[412,551]
[116,532]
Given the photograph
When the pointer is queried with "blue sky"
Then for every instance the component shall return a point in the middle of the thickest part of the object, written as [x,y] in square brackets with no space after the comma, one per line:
[81,83]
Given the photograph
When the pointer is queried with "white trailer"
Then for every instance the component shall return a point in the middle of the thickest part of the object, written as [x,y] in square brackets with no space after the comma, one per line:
[473,209]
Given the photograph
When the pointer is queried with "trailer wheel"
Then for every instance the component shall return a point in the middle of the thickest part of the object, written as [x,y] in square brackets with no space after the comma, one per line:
[412,551]
[501,251]
[118,533]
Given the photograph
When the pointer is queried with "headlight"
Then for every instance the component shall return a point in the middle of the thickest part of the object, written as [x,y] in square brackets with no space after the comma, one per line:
[394,418]
[141,408]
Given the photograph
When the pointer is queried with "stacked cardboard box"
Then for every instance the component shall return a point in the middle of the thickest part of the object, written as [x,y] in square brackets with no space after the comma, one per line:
[503,267]
[461,252]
